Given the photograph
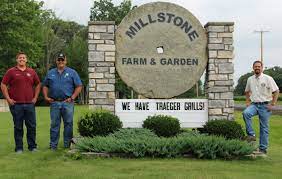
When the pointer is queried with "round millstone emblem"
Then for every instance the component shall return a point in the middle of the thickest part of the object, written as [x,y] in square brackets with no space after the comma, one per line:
[160,50]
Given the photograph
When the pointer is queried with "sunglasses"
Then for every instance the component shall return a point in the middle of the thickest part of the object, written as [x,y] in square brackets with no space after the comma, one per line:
[60,59]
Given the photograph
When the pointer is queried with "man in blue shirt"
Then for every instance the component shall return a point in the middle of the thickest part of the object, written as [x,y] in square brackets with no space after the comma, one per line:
[60,87]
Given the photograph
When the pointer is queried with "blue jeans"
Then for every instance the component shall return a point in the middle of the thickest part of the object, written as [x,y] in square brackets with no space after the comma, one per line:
[264,114]
[24,113]
[60,110]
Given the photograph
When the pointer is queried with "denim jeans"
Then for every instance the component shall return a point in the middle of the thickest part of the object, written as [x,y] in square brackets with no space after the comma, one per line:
[58,111]
[24,113]
[264,114]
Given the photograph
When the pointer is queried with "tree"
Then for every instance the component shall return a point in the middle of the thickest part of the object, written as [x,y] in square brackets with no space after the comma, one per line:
[240,88]
[274,72]
[192,92]
[57,35]
[77,56]
[105,10]
[19,22]
[52,44]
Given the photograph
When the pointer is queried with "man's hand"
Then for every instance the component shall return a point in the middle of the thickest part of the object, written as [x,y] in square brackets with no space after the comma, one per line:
[34,100]
[49,100]
[270,107]
[69,100]
[11,102]
[248,100]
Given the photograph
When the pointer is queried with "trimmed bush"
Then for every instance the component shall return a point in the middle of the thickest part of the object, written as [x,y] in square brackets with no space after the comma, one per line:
[135,133]
[186,133]
[200,146]
[226,128]
[162,125]
[239,98]
[98,123]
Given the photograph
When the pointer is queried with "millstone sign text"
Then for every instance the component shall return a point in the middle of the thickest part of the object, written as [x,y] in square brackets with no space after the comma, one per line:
[160,50]
[190,112]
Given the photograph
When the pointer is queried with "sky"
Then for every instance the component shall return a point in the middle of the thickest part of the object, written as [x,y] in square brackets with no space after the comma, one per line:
[248,16]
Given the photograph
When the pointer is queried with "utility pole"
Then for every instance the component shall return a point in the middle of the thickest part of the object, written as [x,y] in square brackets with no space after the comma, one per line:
[261,42]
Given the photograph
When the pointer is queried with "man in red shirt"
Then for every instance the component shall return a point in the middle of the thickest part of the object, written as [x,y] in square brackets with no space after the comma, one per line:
[21,86]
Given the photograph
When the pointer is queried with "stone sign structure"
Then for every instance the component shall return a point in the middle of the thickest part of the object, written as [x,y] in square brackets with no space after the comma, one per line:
[161,50]
[4,107]
[219,74]
[101,57]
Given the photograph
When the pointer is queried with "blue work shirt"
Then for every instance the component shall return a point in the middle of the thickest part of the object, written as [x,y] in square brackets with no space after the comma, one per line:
[61,85]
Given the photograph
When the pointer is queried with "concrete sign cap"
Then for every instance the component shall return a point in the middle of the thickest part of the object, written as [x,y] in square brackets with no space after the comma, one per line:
[161,50]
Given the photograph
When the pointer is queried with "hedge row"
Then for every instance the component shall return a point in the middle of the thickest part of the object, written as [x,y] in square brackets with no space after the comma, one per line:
[102,123]
[131,143]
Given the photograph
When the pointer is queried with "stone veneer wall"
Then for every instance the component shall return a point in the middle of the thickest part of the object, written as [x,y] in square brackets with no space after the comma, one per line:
[101,58]
[220,69]
[4,107]
[219,76]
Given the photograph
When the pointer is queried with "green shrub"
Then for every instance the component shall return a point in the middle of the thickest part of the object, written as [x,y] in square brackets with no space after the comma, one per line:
[200,146]
[135,133]
[239,98]
[212,147]
[162,125]
[185,133]
[226,128]
[98,123]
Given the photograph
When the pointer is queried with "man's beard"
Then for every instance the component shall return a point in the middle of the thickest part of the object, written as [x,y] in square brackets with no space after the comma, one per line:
[257,72]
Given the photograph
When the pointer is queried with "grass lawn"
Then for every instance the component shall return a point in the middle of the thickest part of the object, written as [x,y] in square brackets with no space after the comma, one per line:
[48,164]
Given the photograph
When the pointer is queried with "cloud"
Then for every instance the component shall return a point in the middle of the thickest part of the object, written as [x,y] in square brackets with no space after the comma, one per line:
[72,10]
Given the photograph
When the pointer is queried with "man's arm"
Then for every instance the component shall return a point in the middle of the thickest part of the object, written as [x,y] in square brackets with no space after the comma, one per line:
[36,93]
[45,94]
[248,100]
[248,93]
[77,90]
[4,89]
[78,87]
[275,95]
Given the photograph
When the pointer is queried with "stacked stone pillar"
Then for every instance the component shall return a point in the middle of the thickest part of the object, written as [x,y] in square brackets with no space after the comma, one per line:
[220,69]
[4,107]
[101,58]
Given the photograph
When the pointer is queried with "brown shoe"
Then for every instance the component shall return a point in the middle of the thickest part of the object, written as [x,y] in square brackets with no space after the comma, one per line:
[250,138]
[260,153]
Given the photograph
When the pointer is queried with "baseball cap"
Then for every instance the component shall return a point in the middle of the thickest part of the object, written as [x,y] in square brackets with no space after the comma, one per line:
[61,55]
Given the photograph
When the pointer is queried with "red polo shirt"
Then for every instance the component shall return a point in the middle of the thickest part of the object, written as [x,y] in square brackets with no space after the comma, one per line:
[21,84]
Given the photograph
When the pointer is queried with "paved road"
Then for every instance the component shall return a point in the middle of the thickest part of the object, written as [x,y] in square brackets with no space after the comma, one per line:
[242,106]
